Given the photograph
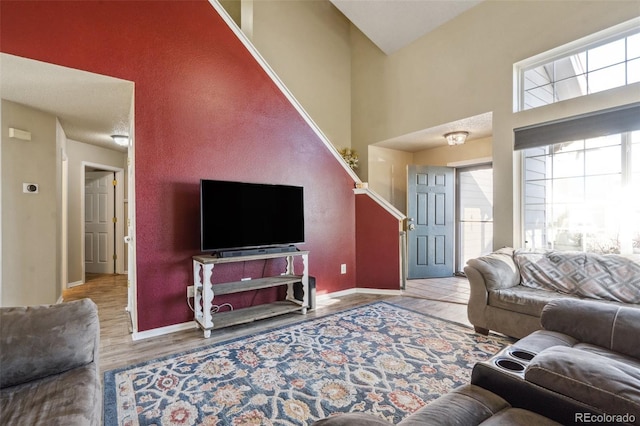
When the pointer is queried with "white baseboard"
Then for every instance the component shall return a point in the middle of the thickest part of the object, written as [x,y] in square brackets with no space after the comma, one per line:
[75,284]
[343,293]
[141,335]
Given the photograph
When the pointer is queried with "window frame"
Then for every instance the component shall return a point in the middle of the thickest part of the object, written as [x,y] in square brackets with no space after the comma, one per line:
[589,42]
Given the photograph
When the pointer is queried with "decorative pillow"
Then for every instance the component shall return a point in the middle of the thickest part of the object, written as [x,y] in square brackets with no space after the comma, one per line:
[595,276]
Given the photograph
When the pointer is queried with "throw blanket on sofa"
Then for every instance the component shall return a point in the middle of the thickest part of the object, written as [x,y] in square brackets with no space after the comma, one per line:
[595,276]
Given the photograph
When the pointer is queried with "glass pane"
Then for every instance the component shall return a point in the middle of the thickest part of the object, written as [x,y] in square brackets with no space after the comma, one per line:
[568,164]
[476,195]
[570,66]
[537,168]
[535,192]
[603,141]
[539,150]
[538,96]
[601,189]
[476,240]
[571,88]
[633,47]
[568,146]
[607,78]
[603,160]
[570,190]
[536,77]
[606,55]
[633,71]
[535,226]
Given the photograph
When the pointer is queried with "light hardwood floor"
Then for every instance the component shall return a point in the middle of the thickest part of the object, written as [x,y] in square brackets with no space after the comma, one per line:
[443,297]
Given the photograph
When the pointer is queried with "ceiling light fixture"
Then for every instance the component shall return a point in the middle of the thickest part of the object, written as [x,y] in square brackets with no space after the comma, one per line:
[456,138]
[121,140]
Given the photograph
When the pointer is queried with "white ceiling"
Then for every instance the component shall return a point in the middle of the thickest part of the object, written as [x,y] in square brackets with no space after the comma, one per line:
[393,24]
[90,107]
[479,126]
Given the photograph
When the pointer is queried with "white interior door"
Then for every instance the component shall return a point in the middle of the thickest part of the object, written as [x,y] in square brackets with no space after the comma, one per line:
[98,222]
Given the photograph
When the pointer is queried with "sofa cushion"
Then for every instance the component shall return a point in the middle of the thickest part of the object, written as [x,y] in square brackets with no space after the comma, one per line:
[540,340]
[605,384]
[606,277]
[71,398]
[521,299]
[605,324]
[609,354]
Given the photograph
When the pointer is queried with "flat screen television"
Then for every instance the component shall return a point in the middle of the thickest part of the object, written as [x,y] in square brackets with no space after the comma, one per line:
[241,215]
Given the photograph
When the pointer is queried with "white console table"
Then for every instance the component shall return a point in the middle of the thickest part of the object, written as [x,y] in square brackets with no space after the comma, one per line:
[204,291]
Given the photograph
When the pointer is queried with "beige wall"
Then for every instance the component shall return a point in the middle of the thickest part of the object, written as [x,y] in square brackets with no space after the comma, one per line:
[79,152]
[30,222]
[388,174]
[464,68]
[388,167]
[307,44]
[472,152]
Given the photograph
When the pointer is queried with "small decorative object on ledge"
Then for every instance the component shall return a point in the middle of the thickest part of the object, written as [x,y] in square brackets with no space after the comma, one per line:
[350,156]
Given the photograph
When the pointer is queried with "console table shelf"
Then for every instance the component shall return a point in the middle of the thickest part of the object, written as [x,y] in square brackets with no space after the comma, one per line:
[254,313]
[205,291]
[257,284]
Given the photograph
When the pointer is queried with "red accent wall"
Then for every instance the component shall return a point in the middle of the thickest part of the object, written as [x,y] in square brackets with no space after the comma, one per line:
[377,246]
[203,109]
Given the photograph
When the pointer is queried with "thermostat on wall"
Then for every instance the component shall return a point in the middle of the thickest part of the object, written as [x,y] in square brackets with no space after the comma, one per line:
[30,188]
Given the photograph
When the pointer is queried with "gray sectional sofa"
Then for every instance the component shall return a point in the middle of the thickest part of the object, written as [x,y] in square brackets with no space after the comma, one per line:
[509,288]
[49,373]
[583,366]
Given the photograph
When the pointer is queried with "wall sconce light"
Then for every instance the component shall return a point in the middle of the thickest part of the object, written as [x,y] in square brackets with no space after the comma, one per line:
[121,140]
[456,138]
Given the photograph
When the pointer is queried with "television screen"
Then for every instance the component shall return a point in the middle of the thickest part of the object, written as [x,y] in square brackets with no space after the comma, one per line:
[235,215]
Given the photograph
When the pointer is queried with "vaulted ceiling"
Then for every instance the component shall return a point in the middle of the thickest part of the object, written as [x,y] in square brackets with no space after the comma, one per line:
[393,24]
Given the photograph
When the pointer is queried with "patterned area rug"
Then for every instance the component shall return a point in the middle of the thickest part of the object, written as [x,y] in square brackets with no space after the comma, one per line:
[379,358]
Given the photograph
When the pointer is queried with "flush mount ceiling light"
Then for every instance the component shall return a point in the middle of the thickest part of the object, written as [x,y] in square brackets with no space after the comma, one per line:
[456,138]
[121,140]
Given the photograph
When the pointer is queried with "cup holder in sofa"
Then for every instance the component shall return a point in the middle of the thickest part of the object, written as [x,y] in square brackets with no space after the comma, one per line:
[522,354]
[510,365]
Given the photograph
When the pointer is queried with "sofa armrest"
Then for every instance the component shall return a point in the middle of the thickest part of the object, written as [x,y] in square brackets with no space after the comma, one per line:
[607,385]
[497,270]
[40,341]
[465,405]
[607,325]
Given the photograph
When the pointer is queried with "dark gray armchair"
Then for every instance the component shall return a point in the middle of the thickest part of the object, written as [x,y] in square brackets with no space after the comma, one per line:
[49,372]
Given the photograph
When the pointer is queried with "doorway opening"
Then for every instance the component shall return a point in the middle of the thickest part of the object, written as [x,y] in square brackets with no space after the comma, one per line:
[102,210]
[474,223]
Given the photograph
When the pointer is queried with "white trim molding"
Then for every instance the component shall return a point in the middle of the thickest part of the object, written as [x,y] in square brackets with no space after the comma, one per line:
[155,332]
[390,208]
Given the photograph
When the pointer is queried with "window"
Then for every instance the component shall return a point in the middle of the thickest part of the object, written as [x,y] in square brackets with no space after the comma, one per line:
[601,62]
[582,194]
